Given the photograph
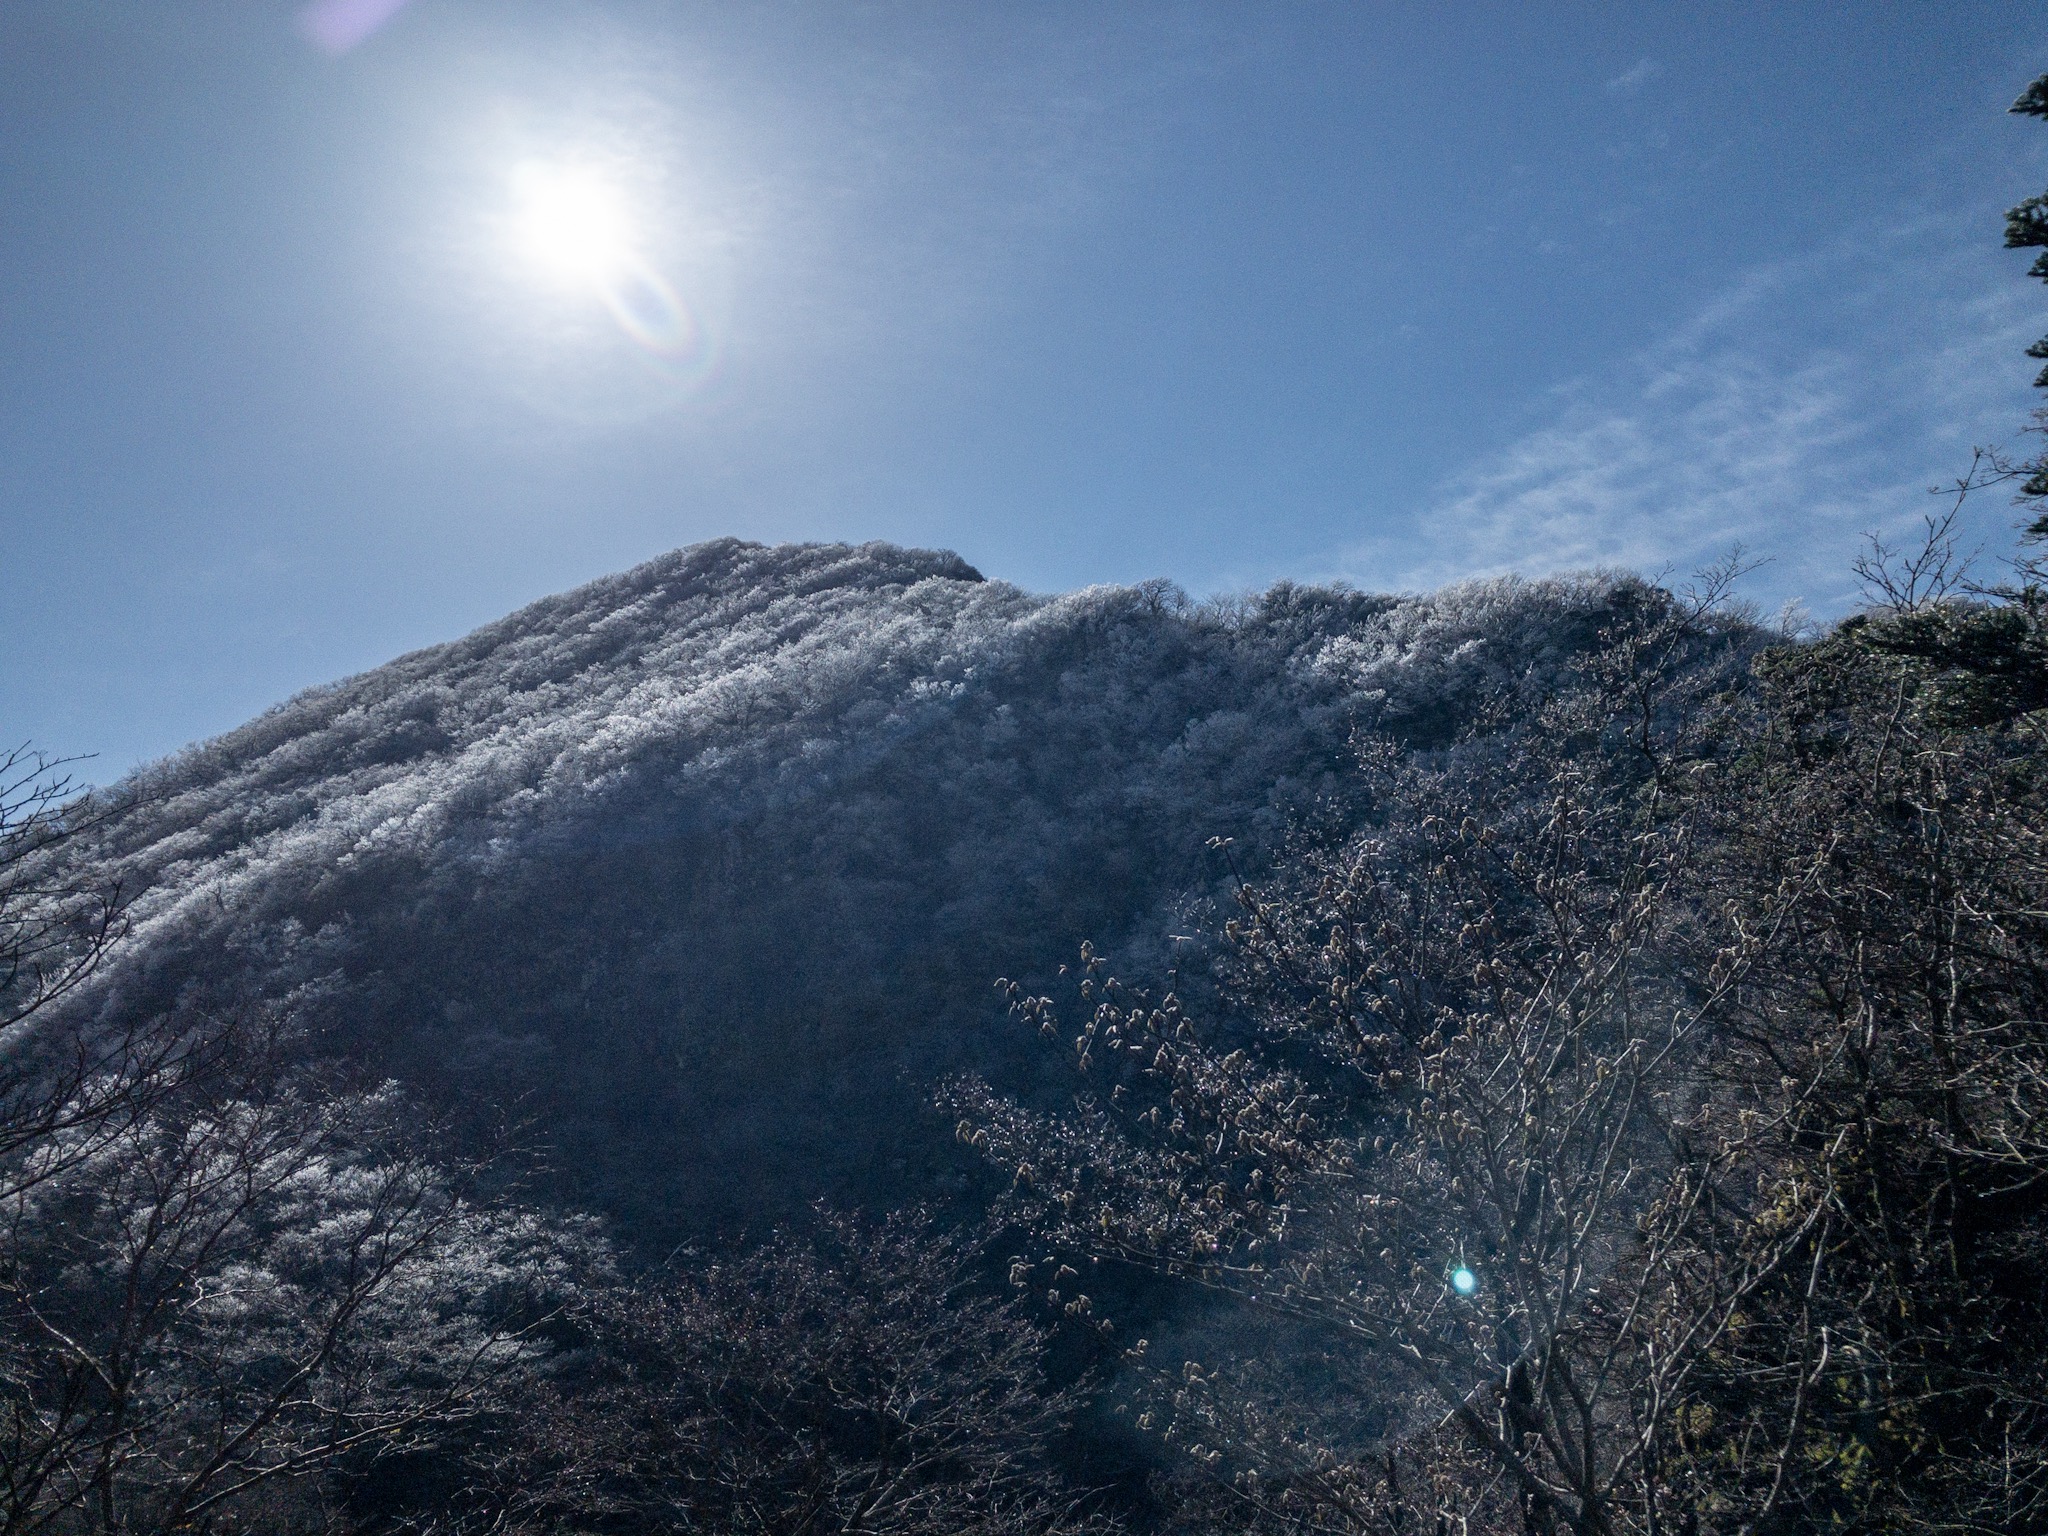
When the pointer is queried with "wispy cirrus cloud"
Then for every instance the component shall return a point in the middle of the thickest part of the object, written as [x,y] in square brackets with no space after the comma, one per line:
[1810,403]
[1635,77]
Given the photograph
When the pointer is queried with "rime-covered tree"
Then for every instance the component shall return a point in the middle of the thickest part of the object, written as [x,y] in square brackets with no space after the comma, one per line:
[212,1308]
[1636,1127]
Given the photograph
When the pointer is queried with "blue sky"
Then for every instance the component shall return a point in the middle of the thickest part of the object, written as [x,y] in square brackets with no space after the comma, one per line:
[1386,293]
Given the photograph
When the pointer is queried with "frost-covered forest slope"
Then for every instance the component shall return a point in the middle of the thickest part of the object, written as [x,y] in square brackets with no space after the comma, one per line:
[707,868]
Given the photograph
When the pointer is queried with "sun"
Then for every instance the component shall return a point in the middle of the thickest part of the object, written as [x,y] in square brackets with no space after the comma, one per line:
[571,222]
[585,226]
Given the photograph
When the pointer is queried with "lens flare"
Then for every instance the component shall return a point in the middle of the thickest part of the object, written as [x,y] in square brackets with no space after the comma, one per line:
[649,311]
[571,224]
[339,25]
[1463,1281]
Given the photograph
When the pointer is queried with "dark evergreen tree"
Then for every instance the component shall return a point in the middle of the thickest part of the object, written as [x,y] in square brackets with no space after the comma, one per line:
[2026,227]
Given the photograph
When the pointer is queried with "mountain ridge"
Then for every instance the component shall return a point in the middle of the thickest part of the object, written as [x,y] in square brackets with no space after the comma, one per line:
[712,863]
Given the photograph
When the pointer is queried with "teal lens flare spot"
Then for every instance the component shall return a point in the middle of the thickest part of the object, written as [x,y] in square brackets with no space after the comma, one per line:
[1463,1281]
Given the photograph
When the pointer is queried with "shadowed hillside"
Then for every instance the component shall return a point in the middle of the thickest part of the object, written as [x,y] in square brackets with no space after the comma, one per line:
[1607,998]
[708,868]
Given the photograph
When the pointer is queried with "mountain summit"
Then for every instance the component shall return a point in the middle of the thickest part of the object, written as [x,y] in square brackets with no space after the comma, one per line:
[708,868]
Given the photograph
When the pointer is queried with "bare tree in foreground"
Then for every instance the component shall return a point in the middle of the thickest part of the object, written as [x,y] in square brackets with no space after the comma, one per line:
[236,1295]
[862,1382]
[56,917]
[1643,1118]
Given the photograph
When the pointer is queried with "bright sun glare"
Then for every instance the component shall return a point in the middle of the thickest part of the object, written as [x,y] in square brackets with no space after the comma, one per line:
[571,222]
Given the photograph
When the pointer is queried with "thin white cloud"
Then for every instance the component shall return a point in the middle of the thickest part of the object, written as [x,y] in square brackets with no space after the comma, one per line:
[1635,77]
[1810,403]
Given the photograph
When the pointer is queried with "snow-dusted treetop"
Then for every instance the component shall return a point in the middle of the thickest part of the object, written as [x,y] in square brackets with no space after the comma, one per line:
[688,852]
